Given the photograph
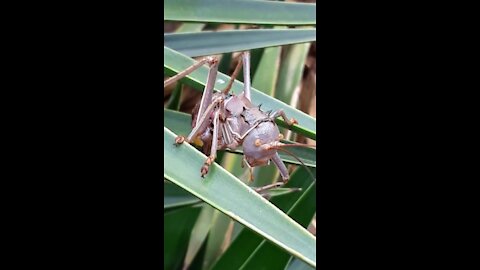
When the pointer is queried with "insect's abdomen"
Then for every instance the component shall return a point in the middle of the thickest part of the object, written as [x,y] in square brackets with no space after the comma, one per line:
[264,133]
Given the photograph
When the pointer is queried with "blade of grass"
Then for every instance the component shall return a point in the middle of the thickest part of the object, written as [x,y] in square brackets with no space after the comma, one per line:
[270,256]
[216,238]
[240,11]
[291,71]
[229,195]
[174,101]
[175,62]
[247,241]
[296,264]
[211,43]
[174,196]
[176,232]
[199,234]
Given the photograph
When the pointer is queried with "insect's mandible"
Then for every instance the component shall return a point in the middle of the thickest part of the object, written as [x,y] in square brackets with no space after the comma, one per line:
[222,120]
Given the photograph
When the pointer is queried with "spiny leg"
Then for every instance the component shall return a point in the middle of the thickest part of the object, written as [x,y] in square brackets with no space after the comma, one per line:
[213,152]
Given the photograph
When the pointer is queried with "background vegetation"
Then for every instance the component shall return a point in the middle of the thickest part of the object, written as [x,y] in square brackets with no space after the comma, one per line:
[218,222]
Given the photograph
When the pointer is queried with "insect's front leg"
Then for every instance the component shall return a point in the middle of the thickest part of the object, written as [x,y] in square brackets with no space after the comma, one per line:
[206,104]
[213,152]
[202,124]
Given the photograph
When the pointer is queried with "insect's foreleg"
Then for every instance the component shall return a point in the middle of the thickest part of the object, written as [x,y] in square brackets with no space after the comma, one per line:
[206,104]
[281,113]
[187,71]
[213,152]
[208,91]
[202,124]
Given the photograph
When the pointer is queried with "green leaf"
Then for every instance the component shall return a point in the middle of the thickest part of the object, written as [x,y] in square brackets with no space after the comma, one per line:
[247,241]
[211,43]
[229,195]
[180,123]
[190,27]
[296,264]
[176,232]
[265,78]
[240,12]
[175,62]
[269,256]
[175,98]
[199,234]
[291,71]
[174,196]
[216,237]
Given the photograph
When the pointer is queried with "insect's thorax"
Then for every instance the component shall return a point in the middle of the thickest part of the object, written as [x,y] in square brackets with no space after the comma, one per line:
[240,123]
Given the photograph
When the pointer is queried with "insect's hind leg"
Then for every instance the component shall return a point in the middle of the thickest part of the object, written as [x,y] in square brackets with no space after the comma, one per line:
[188,70]
[282,114]
[232,78]
[283,173]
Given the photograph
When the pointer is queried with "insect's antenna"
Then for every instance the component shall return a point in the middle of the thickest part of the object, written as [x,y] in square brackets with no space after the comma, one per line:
[295,156]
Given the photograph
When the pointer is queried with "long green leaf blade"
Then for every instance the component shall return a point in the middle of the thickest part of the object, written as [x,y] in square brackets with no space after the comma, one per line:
[211,43]
[299,265]
[176,232]
[240,12]
[291,71]
[174,196]
[216,237]
[175,62]
[247,242]
[228,194]
[199,234]
[303,212]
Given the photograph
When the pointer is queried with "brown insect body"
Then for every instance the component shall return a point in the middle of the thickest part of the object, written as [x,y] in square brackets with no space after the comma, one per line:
[239,118]
[226,121]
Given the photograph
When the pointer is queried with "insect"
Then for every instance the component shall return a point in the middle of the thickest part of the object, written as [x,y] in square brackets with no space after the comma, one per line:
[222,120]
